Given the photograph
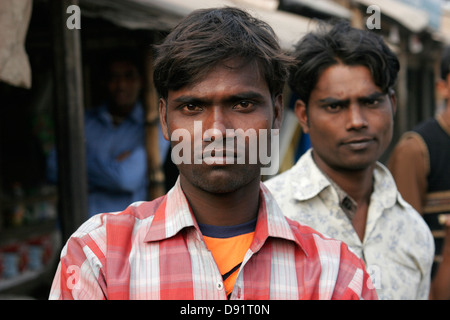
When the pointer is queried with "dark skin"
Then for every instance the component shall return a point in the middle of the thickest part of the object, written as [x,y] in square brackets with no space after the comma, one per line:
[231,96]
[124,85]
[350,123]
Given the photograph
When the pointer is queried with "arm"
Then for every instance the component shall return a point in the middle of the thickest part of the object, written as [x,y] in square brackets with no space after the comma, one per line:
[79,273]
[126,172]
[409,166]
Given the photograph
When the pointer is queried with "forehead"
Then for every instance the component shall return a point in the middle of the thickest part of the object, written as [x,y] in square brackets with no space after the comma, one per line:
[343,81]
[226,78]
[122,66]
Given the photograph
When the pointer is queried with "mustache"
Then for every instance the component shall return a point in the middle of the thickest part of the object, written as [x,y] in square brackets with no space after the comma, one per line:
[219,147]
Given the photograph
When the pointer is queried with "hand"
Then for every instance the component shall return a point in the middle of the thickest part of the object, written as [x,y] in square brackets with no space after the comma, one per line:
[123,156]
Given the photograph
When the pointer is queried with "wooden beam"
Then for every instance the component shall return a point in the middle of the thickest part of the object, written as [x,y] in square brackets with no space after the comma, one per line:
[69,120]
[154,165]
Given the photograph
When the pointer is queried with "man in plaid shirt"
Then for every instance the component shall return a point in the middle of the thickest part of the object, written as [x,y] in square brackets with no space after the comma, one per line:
[218,233]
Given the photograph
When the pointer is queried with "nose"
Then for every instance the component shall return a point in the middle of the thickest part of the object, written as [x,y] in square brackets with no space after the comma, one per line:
[356,118]
[216,124]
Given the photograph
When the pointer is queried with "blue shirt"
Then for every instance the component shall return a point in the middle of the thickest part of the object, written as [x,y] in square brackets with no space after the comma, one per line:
[114,184]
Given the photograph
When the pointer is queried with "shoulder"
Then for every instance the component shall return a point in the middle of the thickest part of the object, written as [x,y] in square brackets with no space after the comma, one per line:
[410,144]
[416,221]
[426,125]
[300,169]
[315,243]
[102,226]
[277,182]
[342,273]
[95,112]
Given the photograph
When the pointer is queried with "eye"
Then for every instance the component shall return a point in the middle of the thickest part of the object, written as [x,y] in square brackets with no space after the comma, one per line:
[191,108]
[371,102]
[243,105]
[333,107]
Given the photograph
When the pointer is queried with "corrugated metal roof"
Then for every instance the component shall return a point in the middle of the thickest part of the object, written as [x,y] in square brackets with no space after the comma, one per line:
[411,18]
[165,14]
[327,7]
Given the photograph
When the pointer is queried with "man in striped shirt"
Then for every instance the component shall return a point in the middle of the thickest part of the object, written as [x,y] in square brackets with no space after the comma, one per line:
[218,233]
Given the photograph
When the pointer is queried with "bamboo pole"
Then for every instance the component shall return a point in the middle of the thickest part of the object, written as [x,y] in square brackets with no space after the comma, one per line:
[69,117]
[154,165]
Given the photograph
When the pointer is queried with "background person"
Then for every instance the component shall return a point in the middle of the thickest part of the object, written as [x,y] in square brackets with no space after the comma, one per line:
[344,78]
[420,164]
[116,157]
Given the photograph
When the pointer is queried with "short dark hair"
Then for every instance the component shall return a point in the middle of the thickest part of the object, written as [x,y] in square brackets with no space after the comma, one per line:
[344,44]
[445,63]
[121,54]
[209,36]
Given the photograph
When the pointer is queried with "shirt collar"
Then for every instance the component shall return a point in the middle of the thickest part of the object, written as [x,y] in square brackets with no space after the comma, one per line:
[385,190]
[307,181]
[136,115]
[174,214]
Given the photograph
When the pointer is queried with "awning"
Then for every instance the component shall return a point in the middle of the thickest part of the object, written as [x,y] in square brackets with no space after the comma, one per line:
[165,14]
[413,19]
[14,64]
[327,8]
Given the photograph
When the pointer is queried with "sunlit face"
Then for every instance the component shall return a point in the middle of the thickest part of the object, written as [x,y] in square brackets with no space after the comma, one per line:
[231,96]
[349,118]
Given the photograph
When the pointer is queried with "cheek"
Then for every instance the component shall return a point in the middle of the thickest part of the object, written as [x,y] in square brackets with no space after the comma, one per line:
[385,124]
[321,132]
[387,132]
[135,87]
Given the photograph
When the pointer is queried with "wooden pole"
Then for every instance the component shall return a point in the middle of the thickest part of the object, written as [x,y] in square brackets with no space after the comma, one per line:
[154,165]
[69,120]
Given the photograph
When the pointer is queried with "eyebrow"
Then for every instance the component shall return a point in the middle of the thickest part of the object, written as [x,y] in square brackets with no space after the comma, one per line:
[246,95]
[331,100]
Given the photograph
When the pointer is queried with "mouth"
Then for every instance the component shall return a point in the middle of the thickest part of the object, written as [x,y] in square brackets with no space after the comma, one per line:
[358,143]
[220,157]
[216,156]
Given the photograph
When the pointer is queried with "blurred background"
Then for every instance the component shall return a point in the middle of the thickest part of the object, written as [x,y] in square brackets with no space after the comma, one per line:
[50,74]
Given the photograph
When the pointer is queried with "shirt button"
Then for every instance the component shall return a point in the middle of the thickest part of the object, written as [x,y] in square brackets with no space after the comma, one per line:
[219,285]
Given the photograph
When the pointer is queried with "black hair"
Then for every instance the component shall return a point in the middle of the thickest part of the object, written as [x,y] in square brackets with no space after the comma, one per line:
[344,44]
[209,36]
[121,54]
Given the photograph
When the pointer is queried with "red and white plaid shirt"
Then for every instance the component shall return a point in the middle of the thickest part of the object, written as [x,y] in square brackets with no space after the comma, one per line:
[155,250]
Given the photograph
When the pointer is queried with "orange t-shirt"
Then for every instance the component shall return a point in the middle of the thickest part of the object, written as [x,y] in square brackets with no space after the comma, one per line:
[228,245]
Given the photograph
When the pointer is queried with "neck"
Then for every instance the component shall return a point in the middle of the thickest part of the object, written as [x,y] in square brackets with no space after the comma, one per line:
[120,111]
[222,209]
[358,184]
[119,114]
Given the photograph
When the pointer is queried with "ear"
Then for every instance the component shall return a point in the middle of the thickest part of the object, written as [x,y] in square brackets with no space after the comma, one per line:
[393,99]
[302,115]
[163,118]
[278,112]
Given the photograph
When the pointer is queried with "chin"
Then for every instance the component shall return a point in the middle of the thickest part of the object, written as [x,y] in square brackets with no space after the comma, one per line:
[221,180]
